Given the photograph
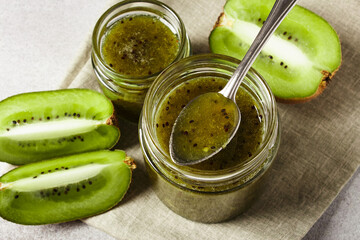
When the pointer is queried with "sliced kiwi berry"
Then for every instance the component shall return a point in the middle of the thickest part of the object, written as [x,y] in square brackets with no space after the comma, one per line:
[65,189]
[43,125]
[299,59]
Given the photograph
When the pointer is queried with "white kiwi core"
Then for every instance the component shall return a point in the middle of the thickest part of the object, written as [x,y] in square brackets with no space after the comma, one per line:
[50,129]
[275,46]
[55,179]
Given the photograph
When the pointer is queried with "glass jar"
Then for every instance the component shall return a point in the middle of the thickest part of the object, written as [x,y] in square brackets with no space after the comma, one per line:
[198,195]
[126,92]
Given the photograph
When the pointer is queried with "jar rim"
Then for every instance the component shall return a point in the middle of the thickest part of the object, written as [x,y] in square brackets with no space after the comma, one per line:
[206,177]
[98,27]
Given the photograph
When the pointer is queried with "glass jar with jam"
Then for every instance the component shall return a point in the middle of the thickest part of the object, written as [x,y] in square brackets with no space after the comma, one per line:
[132,43]
[216,189]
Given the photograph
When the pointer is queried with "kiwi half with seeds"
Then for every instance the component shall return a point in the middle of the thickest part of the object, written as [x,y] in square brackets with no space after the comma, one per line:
[65,189]
[298,60]
[42,125]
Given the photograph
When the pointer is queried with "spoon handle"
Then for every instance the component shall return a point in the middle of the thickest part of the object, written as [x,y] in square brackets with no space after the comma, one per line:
[280,9]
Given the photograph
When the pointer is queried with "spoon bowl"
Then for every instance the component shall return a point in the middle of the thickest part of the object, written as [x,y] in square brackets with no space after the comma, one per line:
[212,121]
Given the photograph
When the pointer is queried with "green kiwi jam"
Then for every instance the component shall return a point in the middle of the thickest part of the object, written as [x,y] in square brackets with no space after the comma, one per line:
[249,136]
[139,46]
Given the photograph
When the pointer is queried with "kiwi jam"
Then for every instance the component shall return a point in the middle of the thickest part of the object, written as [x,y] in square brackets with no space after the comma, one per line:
[130,52]
[250,133]
[139,46]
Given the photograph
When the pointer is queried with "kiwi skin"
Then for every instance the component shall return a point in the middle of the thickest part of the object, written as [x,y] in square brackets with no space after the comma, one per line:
[40,207]
[326,75]
[29,109]
[325,81]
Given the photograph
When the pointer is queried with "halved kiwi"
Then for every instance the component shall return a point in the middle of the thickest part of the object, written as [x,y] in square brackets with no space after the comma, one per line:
[66,188]
[299,59]
[43,125]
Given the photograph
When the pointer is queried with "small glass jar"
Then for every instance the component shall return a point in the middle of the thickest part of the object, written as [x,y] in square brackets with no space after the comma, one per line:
[126,92]
[198,195]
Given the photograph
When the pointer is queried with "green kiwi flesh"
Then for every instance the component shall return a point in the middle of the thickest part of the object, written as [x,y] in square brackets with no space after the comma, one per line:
[43,125]
[298,60]
[65,189]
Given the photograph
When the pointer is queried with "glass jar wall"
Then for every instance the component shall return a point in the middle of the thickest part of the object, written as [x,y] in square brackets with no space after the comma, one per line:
[201,194]
[127,89]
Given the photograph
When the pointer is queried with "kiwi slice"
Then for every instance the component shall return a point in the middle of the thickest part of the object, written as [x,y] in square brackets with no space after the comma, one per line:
[43,125]
[299,59]
[65,189]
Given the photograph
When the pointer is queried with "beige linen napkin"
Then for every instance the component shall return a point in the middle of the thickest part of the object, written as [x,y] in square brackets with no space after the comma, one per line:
[318,154]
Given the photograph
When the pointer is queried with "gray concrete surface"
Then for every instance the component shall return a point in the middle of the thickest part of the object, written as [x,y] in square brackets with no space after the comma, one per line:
[38,42]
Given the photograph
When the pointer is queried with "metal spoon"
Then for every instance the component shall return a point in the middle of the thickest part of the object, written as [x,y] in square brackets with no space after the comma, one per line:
[180,150]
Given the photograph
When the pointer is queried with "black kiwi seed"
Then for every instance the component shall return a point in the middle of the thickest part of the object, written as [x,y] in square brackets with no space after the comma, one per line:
[289,38]
[83,186]
[18,121]
[78,189]
[90,182]
[48,118]
[16,196]
[74,114]
[49,170]
[78,115]
[24,120]
[281,63]
[14,122]
[7,129]
[35,177]
[65,114]
[55,190]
